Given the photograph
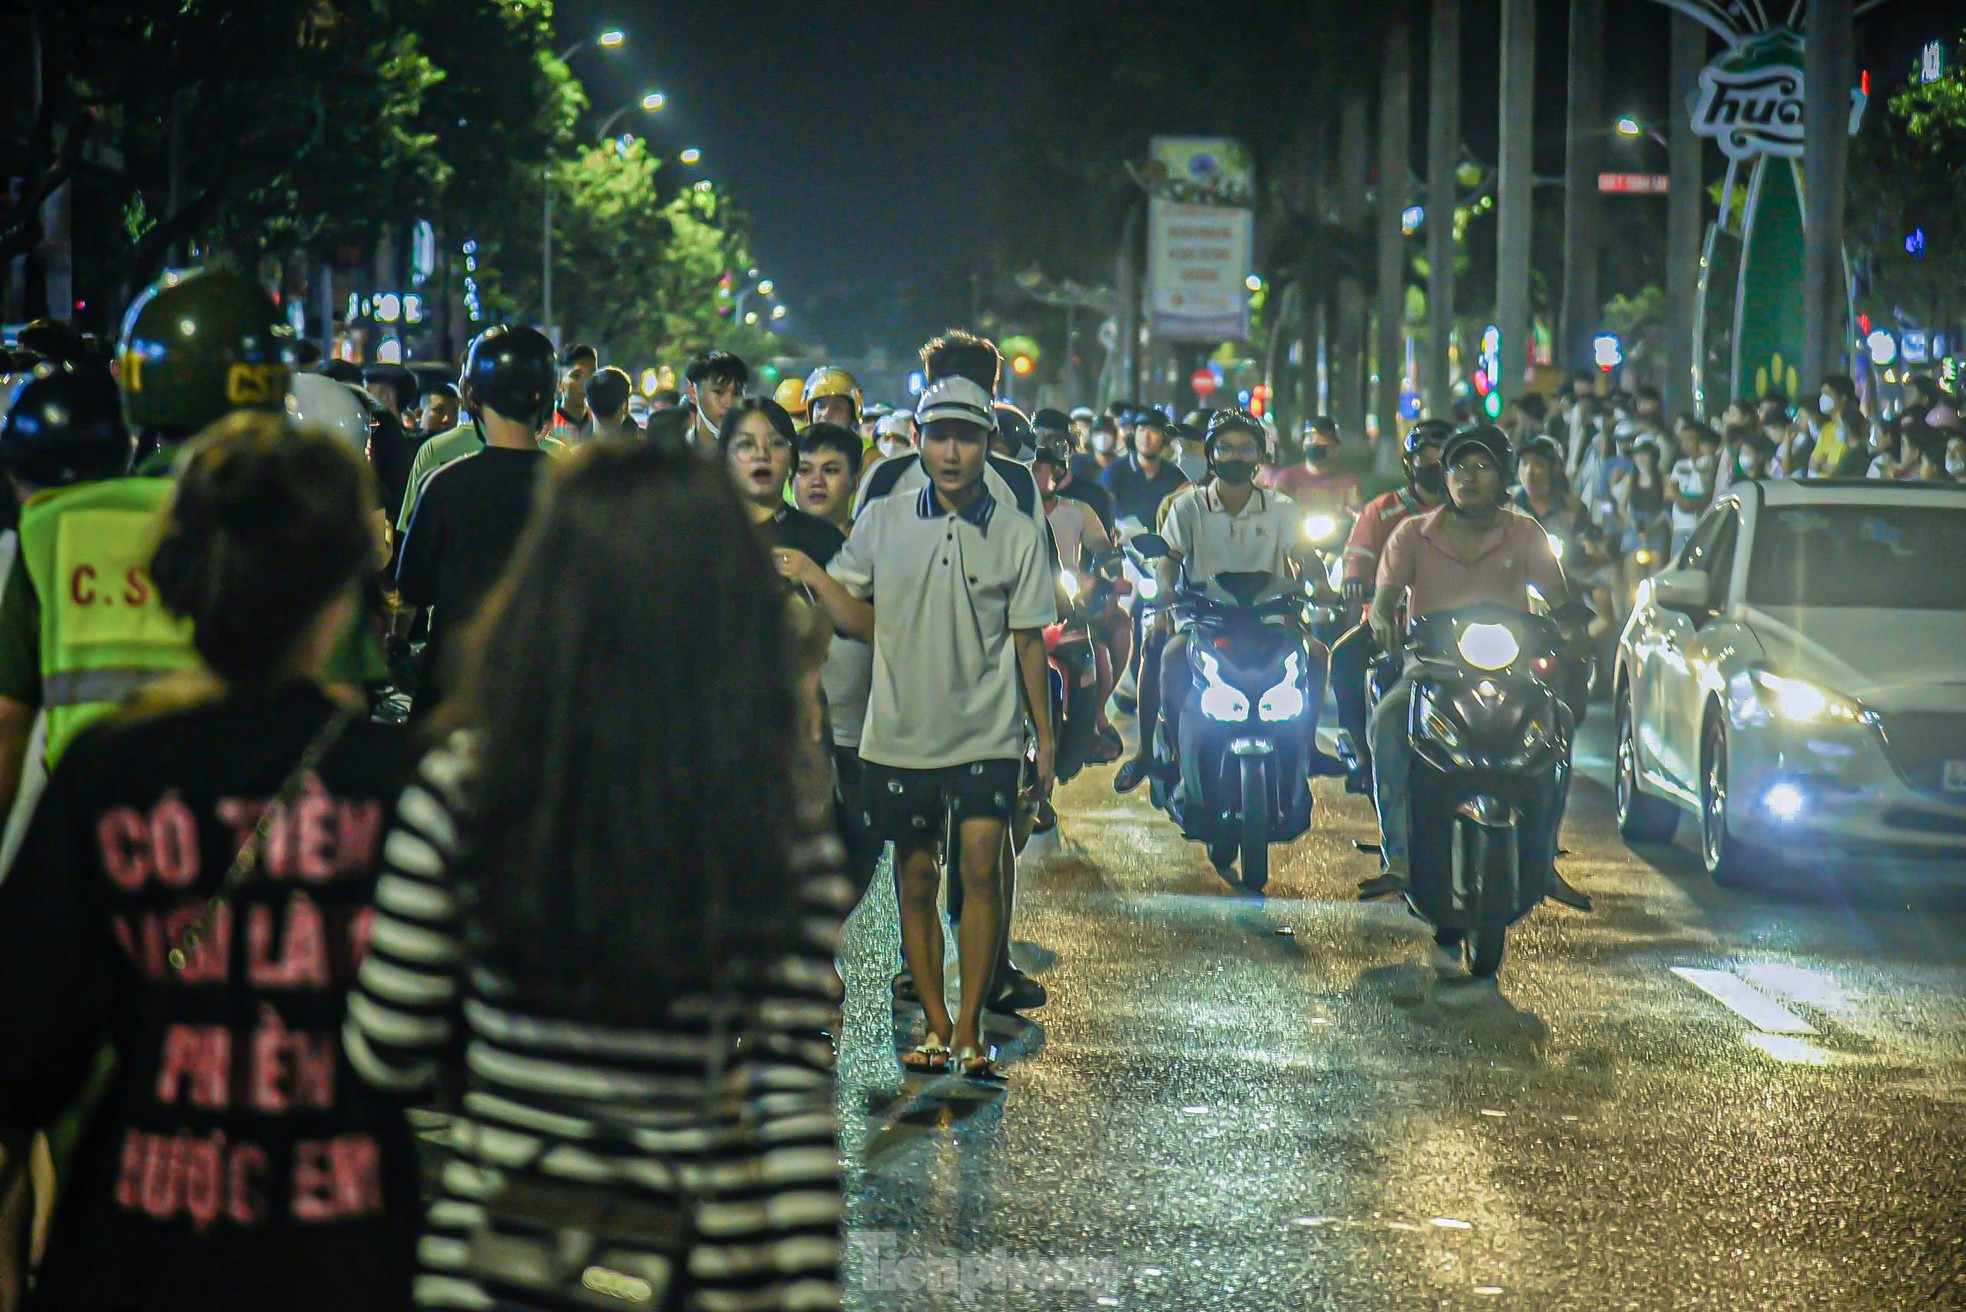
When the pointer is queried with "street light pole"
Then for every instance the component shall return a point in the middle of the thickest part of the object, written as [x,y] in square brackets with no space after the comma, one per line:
[608,39]
[1443,148]
[1581,207]
[1684,224]
[1514,190]
[1395,132]
[1829,68]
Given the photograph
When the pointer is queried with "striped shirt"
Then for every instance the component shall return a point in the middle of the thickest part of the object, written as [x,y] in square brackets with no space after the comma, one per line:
[762,1162]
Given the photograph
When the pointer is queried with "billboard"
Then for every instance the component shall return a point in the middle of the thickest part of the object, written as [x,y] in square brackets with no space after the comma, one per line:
[1199,239]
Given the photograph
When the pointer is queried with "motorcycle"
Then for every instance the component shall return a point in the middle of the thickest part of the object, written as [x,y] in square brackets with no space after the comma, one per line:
[1490,772]
[1249,719]
[1071,646]
[1325,536]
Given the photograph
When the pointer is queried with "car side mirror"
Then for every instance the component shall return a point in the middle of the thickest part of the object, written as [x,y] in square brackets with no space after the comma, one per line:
[1682,589]
[1151,546]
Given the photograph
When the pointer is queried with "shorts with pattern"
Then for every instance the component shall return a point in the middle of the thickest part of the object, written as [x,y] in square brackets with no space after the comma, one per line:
[906,805]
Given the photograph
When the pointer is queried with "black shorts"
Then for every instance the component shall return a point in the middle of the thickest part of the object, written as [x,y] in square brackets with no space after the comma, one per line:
[907,806]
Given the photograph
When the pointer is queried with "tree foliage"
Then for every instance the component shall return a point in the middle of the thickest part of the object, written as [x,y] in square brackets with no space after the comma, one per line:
[1907,206]
[641,268]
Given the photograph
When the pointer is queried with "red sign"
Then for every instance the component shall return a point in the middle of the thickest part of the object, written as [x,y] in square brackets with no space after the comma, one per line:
[1203,382]
[1634,184]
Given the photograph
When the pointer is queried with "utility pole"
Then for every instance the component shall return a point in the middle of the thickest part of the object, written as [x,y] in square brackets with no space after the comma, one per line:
[546,257]
[1347,349]
[1514,192]
[1443,154]
[1395,136]
[1684,207]
[1583,132]
[1828,70]
[1126,304]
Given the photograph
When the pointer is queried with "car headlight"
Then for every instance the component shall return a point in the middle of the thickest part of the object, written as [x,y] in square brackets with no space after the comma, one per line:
[1286,700]
[1220,701]
[1067,581]
[1489,646]
[1556,546]
[1320,526]
[1795,699]
[1149,589]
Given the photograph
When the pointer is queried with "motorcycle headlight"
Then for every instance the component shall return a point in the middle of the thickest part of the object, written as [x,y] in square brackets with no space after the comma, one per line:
[1489,646]
[1320,526]
[1220,701]
[1556,546]
[1286,700]
[1149,589]
[1795,699]
[1070,583]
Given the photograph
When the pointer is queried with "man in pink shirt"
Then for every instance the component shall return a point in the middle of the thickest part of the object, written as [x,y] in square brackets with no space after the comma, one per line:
[1474,549]
[1317,484]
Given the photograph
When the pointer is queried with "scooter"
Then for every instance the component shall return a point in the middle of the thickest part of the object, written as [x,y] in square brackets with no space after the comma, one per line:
[1073,652]
[1490,772]
[1248,723]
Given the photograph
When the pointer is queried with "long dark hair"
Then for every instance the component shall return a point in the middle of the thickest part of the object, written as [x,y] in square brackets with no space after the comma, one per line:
[628,683]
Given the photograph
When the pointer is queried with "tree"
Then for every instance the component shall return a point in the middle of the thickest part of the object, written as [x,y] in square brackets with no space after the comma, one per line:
[297,122]
[1907,204]
[640,270]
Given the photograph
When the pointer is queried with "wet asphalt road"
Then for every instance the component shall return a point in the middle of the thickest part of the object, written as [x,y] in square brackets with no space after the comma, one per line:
[1281,1103]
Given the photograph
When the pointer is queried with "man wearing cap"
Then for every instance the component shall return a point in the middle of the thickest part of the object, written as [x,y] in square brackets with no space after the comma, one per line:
[1054,430]
[1144,478]
[954,587]
[894,435]
[1082,420]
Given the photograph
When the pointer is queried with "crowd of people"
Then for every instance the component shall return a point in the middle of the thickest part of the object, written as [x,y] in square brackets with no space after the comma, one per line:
[676,684]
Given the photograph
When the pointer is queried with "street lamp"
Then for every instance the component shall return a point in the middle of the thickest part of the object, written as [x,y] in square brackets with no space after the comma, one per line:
[652,103]
[691,156]
[1627,126]
[608,39]
[778,312]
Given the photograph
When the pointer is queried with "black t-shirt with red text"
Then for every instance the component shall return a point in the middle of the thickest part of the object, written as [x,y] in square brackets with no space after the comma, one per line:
[235,1160]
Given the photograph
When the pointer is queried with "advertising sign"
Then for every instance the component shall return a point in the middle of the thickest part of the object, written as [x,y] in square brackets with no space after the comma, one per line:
[1199,237]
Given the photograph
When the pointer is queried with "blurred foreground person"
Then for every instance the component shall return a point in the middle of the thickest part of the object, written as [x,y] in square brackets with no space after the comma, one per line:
[193,894]
[606,889]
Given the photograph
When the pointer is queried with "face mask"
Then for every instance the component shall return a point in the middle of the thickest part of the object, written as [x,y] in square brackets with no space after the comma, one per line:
[1102,442]
[1956,465]
[1236,473]
[1431,479]
[892,446]
[1743,464]
[1319,454]
[1824,404]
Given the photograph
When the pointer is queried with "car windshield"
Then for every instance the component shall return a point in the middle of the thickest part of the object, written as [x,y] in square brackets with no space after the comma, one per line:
[1884,557]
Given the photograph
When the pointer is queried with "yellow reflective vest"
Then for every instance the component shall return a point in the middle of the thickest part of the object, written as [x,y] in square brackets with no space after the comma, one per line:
[104,634]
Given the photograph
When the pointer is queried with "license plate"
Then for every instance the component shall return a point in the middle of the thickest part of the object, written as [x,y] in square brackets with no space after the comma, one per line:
[1955,777]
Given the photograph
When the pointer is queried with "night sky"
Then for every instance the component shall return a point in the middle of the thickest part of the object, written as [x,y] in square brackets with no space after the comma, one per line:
[868,140]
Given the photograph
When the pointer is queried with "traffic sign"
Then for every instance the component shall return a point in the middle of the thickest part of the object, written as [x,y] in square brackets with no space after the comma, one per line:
[1634,184]
[1203,382]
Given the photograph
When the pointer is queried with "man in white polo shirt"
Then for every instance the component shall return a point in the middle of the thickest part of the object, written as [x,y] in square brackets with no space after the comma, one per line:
[1225,525]
[961,588]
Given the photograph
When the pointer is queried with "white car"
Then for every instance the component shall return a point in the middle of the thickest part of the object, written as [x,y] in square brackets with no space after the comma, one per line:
[1797,680]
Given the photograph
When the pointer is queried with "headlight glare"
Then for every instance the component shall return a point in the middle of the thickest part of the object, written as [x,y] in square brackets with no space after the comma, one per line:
[1320,526]
[1220,701]
[1286,700]
[1149,589]
[1798,700]
[1489,646]
[1556,546]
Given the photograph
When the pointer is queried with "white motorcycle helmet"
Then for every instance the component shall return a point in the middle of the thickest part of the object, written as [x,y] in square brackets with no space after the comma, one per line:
[320,402]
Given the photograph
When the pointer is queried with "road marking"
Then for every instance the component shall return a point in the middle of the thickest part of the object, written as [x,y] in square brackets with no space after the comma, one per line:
[1449,1223]
[1745,1001]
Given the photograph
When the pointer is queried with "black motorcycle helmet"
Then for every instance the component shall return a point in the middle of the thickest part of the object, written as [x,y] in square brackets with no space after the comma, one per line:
[1237,421]
[514,371]
[1544,446]
[1427,433]
[1014,429]
[65,425]
[1490,439]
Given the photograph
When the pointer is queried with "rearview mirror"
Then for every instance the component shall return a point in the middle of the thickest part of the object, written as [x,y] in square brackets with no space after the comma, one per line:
[1151,546]
[1682,589]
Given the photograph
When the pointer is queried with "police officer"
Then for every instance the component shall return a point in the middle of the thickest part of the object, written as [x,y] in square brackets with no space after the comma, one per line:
[80,625]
